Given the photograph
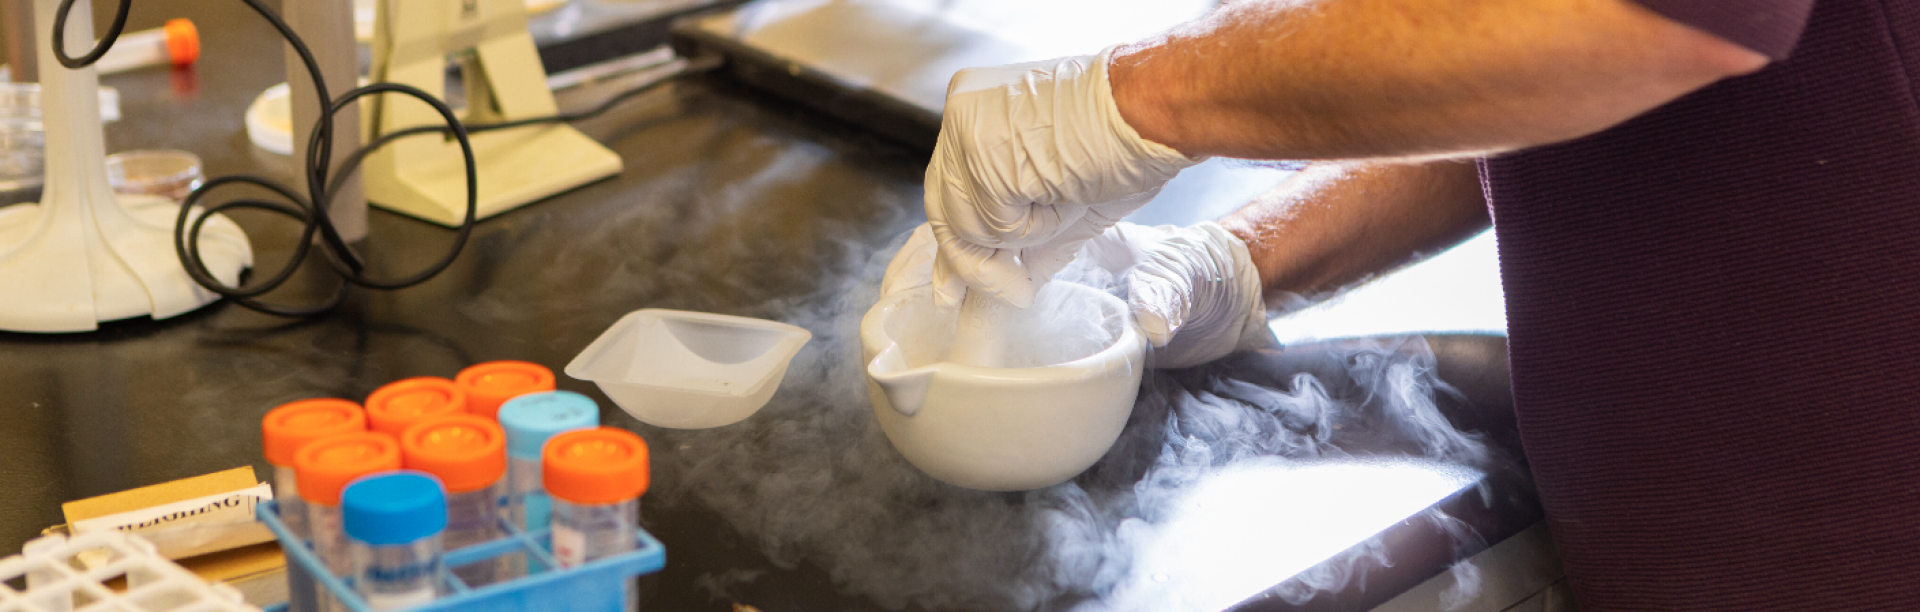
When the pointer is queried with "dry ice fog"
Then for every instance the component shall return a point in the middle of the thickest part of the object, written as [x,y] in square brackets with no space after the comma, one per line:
[1215,470]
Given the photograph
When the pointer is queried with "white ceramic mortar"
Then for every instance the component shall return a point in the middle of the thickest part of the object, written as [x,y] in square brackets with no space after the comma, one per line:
[999,429]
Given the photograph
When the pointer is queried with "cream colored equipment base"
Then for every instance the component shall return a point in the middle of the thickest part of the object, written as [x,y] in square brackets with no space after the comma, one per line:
[424,176]
[83,255]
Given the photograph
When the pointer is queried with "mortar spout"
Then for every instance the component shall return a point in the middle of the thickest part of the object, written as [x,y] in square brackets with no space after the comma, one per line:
[905,387]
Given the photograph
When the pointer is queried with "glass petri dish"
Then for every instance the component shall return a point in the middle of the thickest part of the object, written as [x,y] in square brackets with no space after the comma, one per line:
[22,139]
[22,144]
[165,173]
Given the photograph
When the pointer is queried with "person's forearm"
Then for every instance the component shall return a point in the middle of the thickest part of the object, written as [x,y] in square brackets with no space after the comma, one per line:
[1343,79]
[1337,224]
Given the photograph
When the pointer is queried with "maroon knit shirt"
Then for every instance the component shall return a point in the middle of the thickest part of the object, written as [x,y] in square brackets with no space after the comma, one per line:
[1714,317]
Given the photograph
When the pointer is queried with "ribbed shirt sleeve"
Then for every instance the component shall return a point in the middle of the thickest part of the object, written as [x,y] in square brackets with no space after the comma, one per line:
[1770,27]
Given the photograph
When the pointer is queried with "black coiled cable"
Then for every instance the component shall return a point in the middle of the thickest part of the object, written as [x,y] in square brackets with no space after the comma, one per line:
[311,210]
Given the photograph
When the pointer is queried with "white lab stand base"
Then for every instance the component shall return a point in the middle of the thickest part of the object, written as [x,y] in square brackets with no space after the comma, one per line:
[84,255]
[425,176]
[72,262]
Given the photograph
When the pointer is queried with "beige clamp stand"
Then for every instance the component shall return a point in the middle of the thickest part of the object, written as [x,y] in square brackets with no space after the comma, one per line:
[423,176]
[82,254]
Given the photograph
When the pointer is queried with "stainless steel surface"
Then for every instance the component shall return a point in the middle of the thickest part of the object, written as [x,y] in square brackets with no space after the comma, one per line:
[738,203]
[582,18]
[582,32]
[1512,573]
[927,40]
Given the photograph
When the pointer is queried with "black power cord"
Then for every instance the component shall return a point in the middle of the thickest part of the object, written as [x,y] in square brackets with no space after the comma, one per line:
[311,210]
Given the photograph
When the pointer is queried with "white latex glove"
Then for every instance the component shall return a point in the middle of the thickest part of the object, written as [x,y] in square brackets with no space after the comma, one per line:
[1193,290]
[1032,161]
[913,265]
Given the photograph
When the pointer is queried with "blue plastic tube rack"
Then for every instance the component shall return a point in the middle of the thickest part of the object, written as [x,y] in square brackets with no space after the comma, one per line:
[593,586]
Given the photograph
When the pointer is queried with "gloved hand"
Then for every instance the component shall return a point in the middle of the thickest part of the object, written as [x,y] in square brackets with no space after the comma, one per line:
[1193,290]
[1032,161]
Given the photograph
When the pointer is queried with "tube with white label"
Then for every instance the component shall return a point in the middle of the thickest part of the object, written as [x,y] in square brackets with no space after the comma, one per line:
[596,477]
[394,522]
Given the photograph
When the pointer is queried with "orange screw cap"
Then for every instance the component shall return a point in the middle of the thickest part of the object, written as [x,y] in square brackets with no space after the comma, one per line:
[183,42]
[595,466]
[401,403]
[291,426]
[490,384]
[466,452]
[325,466]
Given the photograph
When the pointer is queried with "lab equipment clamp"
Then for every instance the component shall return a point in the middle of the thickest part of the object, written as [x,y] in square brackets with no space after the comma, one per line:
[593,586]
[504,82]
[82,254]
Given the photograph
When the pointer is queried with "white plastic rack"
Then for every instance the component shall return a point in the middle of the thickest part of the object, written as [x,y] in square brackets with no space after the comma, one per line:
[57,582]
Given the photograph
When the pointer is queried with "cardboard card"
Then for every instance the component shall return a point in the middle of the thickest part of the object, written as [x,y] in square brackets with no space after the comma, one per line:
[163,493]
[183,518]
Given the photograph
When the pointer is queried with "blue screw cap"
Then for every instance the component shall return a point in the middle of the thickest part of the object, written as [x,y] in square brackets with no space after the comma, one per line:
[532,418]
[393,508]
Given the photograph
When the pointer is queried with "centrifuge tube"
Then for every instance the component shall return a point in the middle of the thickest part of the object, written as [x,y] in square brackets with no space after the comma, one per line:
[596,477]
[283,432]
[177,44]
[288,428]
[324,467]
[490,384]
[469,456]
[394,407]
[530,420]
[394,522]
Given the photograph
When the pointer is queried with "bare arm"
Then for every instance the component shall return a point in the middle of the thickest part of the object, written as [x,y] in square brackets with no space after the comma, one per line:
[1322,79]
[1336,224]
